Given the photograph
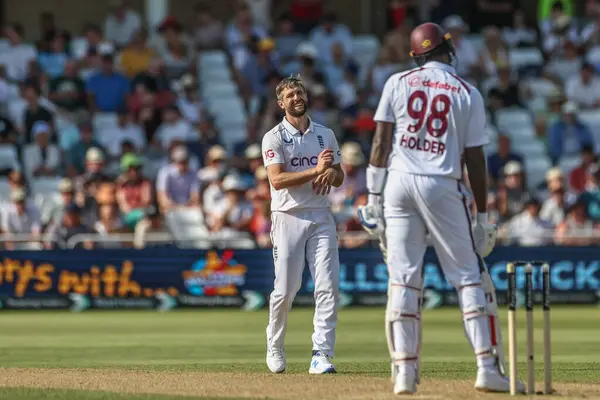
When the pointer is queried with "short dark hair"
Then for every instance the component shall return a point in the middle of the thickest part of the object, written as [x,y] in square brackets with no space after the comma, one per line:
[558,6]
[287,83]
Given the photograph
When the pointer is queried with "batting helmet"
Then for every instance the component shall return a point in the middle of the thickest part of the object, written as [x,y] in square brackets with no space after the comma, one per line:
[428,39]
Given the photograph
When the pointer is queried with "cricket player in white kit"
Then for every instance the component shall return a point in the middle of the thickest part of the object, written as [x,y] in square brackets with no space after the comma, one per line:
[303,162]
[428,121]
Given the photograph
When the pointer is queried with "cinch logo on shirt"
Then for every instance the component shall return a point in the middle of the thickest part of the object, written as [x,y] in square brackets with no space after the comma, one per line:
[440,85]
[304,161]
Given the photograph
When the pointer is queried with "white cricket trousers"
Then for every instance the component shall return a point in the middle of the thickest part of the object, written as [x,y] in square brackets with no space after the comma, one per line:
[413,206]
[299,238]
[417,204]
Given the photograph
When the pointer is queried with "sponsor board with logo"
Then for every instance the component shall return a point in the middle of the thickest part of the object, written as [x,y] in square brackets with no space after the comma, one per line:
[164,279]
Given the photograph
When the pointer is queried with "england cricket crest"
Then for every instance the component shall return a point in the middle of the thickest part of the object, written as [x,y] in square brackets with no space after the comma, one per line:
[321,142]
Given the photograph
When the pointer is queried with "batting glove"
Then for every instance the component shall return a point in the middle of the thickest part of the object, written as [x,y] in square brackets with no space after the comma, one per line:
[484,235]
[371,216]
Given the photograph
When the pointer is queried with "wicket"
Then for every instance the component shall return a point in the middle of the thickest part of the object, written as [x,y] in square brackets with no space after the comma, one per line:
[512,328]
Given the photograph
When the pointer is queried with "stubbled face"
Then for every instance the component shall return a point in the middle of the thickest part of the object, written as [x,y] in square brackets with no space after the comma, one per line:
[294,101]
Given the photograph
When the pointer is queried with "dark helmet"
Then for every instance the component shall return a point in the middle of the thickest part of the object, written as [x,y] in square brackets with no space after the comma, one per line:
[429,39]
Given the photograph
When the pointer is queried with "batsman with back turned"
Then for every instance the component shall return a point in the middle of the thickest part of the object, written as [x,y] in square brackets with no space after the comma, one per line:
[429,121]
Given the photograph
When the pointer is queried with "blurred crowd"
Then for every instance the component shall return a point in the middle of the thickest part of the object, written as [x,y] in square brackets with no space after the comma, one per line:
[111,123]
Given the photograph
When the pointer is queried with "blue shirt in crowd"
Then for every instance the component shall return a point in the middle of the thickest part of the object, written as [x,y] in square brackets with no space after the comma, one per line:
[109,91]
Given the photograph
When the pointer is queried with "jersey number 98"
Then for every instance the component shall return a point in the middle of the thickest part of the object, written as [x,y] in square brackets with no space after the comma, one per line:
[439,110]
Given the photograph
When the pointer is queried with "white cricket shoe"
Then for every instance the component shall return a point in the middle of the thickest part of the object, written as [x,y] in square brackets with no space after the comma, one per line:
[276,359]
[405,381]
[321,364]
[491,380]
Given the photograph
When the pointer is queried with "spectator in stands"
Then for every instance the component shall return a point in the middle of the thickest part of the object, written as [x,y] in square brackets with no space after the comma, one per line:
[494,53]
[238,34]
[397,44]
[174,126]
[286,40]
[108,90]
[215,163]
[67,91]
[21,217]
[591,197]
[121,23]
[125,131]
[41,158]
[17,56]
[48,30]
[335,71]
[553,208]
[189,102]
[177,52]
[379,74]
[67,196]
[590,34]
[176,184]
[353,164]
[53,61]
[584,88]
[560,70]
[551,10]
[306,14]
[209,31]
[260,64]
[9,157]
[579,176]
[503,155]
[16,181]
[261,189]
[253,161]
[563,30]
[397,12]
[260,10]
[346,92]
[87,183]
[260,225]
[151,87]
[92,45]
[135,58]
[511,194]
[235,212]
[8,133]
[577,229]
[329,32]
[305,65]
[465,52]
[567,136]
[320,112]
[77,152]
[58,234]
[506,92]
[151,223]
[35,111]
[521,33]
[109,221]
[134,191]
[527,227]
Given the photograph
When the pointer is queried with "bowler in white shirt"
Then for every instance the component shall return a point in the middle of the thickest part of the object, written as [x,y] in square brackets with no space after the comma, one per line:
[303,162]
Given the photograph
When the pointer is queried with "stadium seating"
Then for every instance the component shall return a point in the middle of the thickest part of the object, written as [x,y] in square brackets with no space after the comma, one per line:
[365,49]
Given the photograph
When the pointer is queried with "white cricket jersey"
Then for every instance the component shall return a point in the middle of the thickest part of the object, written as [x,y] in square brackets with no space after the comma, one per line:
[437,115]
[284,144]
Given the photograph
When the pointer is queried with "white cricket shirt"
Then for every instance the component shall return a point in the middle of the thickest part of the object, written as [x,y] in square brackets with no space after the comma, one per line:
[437,116]
[284,144]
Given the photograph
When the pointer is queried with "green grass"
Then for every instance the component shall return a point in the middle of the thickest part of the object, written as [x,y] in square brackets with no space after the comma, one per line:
[58,394]
[234,341]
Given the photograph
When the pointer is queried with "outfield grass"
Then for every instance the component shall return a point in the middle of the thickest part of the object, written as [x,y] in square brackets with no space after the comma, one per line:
[219,343]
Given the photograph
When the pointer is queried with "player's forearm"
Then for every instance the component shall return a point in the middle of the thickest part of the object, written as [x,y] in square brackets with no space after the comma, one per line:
[382,145]
[284,180]
[477,171]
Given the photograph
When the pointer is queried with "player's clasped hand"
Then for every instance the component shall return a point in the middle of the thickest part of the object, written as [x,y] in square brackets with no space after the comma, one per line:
[322,185]
[324,161]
